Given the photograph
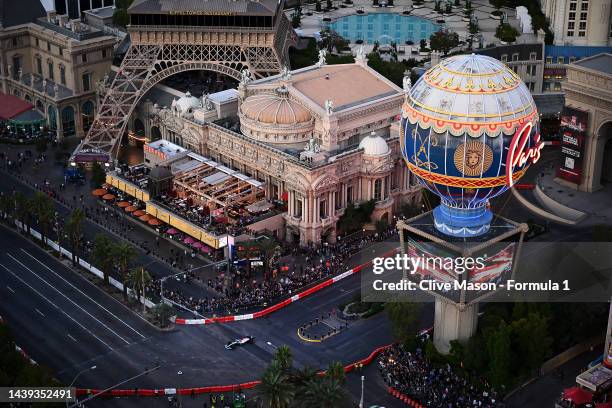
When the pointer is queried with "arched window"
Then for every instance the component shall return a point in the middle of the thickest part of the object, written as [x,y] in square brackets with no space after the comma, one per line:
[155,133]
[87,111]
[378,189]
[40,106]
[68,120]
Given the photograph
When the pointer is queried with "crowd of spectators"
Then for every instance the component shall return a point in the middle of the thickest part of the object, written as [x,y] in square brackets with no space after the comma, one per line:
[412,374]
[240,292]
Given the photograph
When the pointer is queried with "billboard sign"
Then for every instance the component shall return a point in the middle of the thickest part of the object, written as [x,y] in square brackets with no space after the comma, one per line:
[573,132]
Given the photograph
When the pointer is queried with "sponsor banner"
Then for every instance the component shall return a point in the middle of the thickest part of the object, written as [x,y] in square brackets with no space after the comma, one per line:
[573,132]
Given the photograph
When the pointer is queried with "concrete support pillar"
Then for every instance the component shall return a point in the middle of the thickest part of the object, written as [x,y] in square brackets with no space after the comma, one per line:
[452,323]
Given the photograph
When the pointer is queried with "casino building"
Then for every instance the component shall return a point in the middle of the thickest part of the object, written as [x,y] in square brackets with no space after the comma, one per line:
[309,138]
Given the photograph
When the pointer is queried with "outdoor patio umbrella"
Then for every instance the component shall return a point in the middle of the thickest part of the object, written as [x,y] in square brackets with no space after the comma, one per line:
[189,240]
[138,213]
[145,217]
[106,185]
[123,204]
[99,192]
[108,197]
[154,222]
[130,208]
[197,245]
[172,231]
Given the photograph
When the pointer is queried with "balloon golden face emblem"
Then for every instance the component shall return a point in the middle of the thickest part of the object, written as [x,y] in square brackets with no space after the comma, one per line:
[473,158]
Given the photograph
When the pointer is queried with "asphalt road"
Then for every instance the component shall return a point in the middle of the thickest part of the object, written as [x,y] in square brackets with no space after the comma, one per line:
[65,322]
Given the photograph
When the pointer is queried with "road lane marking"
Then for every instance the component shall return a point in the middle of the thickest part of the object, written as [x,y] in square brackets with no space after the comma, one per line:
[84,294]
[55,306]
[39,312]
[67,298]
[9,288]
[72,338]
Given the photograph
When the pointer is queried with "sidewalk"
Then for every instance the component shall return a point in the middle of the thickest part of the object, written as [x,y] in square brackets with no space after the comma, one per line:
[597,205]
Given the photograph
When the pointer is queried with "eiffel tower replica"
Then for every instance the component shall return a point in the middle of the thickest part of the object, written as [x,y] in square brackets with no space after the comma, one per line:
[173,36]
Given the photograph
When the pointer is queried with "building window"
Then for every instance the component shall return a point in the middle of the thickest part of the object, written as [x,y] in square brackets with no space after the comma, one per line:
[504,58]
[86,81]
[103,54]
[582,25]
[378,189]
[570,33]
[583,16]
[549,60]
[571,25]
[531,70]
[60,50]
[584,7]
[515,69]
[515,57]
[581,34]
[37,43]
[337,199]
[14,41]
[84,57]
[48,46]
[39,69]
[572,16]
[530,86]
[323,209]
[63,74]
[546,86]
[560,60]
[349,194]
[572,7]
[51,71]
[533,56]
[572,59]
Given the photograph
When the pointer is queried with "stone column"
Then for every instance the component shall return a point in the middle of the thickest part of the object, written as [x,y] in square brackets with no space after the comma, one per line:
[453,323]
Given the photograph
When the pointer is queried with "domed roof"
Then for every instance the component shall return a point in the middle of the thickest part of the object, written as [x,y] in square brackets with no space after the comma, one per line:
[374,145]
[187,103]
[274,109]
[470,90]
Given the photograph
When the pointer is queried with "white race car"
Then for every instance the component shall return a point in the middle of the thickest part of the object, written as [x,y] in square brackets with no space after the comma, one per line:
[239,342]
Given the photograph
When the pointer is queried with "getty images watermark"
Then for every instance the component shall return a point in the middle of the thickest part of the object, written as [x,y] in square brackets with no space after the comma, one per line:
[435,273]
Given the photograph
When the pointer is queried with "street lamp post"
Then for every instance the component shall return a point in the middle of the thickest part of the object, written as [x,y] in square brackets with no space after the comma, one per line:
[178,390]
[361,400]
[77,376]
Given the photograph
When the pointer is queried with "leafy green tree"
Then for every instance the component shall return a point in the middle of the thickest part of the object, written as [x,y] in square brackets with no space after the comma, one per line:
[7,204]
[284,358]
[506,33]
[268,249]
[405,318]
[444,40]
[354,217]
[44,211]
[138,279]
[498,4]
[98,175]
[382,225]
[275,389]
[299,377]
[102,254]
[124,255]
[499,351]
[162,314]
[331,40]
[323,393]
[296,17]
[318,7]
[335,371]
[23,210]
[74,230]
[532,340]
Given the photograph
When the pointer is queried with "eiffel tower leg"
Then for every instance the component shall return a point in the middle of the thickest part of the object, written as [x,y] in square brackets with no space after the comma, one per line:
[104,136]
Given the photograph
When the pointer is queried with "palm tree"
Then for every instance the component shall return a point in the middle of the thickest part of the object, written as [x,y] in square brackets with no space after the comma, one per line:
[74,230]
[124,254]
[22,210]
[275,390]
[336,372]
[43,209]
[102,254]
[138,279]
[300,377]
[268,249]
[284,358]
[7,204]
[324,393]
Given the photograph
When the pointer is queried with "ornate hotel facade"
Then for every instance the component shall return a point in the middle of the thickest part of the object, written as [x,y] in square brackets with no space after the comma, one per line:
[319,138]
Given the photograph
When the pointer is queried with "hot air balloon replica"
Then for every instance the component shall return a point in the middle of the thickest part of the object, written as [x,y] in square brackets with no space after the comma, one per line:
[469,130]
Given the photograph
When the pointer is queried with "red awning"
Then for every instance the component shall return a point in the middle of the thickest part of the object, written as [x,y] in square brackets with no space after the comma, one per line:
[11,106]
[285,196]
[604,405]
[577,395]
